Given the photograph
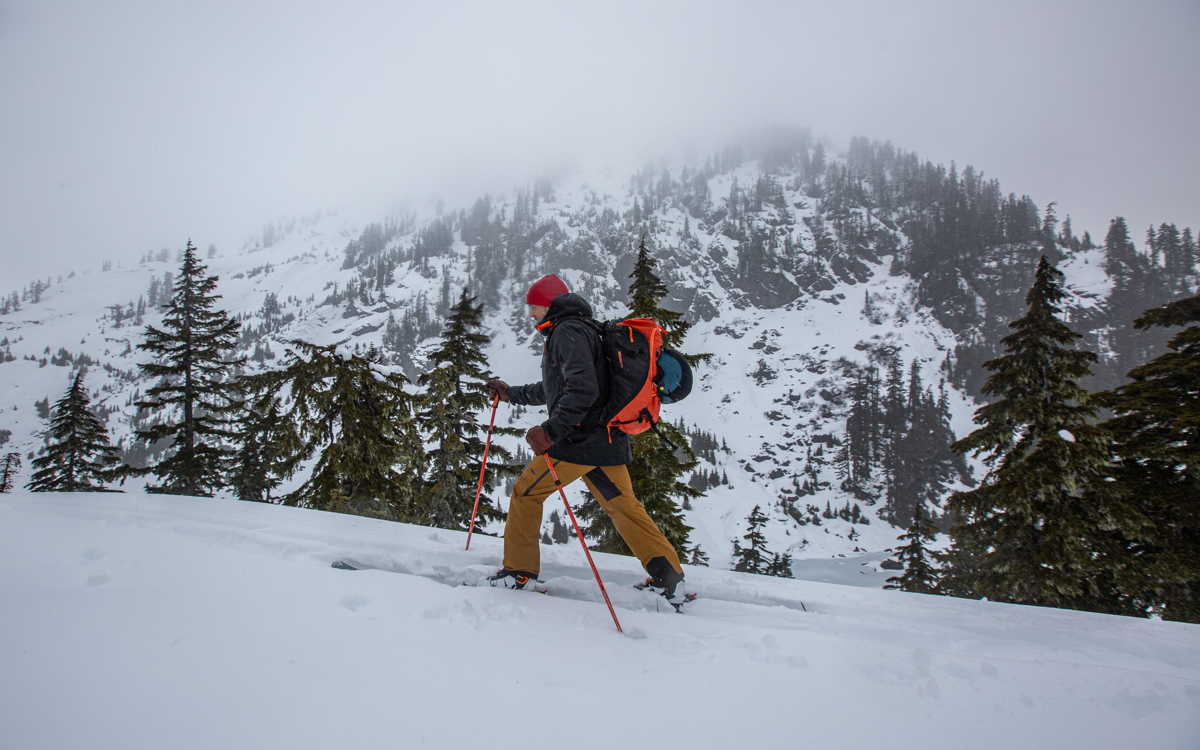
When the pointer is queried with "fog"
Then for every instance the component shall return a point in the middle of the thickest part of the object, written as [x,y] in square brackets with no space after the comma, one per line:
[133,126]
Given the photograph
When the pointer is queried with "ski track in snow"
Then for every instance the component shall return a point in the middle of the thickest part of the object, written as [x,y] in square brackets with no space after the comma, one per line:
[140,621]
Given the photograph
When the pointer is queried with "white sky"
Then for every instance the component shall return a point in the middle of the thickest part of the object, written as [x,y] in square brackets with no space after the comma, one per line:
[132,126]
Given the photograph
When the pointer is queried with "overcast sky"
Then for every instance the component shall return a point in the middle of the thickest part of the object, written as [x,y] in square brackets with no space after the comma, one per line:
[132,126]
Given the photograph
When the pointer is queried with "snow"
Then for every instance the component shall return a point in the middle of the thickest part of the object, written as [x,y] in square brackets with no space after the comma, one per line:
[143,621]
[1066,435]
[1086,277]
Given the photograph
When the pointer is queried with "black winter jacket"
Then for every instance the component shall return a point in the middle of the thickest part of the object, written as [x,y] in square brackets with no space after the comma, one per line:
[574,377]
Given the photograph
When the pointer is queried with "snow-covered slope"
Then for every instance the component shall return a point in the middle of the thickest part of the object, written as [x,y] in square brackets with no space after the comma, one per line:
[772,385]
[137,621]
[791,294]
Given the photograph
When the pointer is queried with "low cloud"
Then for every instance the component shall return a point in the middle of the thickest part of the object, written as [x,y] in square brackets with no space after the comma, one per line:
[134,128]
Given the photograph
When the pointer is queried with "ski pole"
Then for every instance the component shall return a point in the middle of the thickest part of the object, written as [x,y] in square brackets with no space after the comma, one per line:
[579,534]
[487,446]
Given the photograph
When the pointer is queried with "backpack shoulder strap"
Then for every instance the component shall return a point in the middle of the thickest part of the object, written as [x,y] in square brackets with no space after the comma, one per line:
[594,324]
[594,418]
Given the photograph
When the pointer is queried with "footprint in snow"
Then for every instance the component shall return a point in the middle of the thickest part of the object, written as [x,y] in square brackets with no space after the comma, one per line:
[355,603]
[922,660]
[437,613]
[680,646]
[98,579]
[92,555]
[476,617]
[756,653]
[930,689]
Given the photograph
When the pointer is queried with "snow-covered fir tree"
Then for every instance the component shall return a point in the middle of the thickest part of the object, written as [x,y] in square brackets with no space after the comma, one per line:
[1025,534]
[79,457]
[192,361]
[454,396]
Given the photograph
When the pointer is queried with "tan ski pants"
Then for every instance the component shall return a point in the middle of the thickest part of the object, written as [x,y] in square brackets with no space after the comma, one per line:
[610,486]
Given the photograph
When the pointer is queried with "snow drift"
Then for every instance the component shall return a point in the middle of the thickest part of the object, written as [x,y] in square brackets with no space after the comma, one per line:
[140,621]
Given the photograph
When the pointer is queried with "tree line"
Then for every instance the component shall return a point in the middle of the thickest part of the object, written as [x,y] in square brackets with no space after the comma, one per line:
[369,440]
[897,441]
[1077,511]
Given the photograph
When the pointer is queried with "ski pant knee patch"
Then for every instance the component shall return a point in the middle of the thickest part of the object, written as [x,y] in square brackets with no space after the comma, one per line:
[607,488]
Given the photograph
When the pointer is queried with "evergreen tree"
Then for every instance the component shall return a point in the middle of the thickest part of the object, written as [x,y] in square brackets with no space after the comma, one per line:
[1024,534]
[1138,284]
[8,471]
[1152,505]
[1049,238]
[893,429]
[919,575]
[79,457]
[192,355]
[920,463]
[862,424]
[559,533]
[657,472]
[754,557]
[359,418]
[455,394]
[1190,257]
[1170,245]
[697,556]
[780,565]
[262,459]
[152,292]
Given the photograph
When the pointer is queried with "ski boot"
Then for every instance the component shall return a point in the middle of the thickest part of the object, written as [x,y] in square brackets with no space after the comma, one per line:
[514,579]
[667,582]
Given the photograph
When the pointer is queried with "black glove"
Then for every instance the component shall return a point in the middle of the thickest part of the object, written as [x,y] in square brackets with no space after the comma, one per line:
[538,440]
[498,388]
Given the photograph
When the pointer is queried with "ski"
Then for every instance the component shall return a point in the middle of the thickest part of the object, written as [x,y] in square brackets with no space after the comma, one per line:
[578,589]
[343,565]
[485,584]
[678,605]
[544,588]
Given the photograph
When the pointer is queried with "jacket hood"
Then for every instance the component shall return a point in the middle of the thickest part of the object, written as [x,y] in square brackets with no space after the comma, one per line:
[569,305]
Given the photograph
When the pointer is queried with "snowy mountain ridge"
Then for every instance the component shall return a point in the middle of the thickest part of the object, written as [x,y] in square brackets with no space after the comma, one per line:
[795,286]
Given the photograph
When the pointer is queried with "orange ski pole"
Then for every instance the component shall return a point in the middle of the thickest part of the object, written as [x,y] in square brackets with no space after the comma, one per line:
[487,446]
[587,552]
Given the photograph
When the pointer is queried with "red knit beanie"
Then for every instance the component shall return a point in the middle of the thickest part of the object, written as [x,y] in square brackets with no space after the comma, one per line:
[544,290]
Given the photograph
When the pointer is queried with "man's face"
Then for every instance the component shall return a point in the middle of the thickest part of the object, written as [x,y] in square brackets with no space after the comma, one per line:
[538,313]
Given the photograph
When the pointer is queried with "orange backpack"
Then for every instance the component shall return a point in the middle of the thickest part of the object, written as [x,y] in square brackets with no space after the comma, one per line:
[642,374]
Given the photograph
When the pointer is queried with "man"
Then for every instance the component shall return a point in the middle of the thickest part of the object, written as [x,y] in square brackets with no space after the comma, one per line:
[574,381]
